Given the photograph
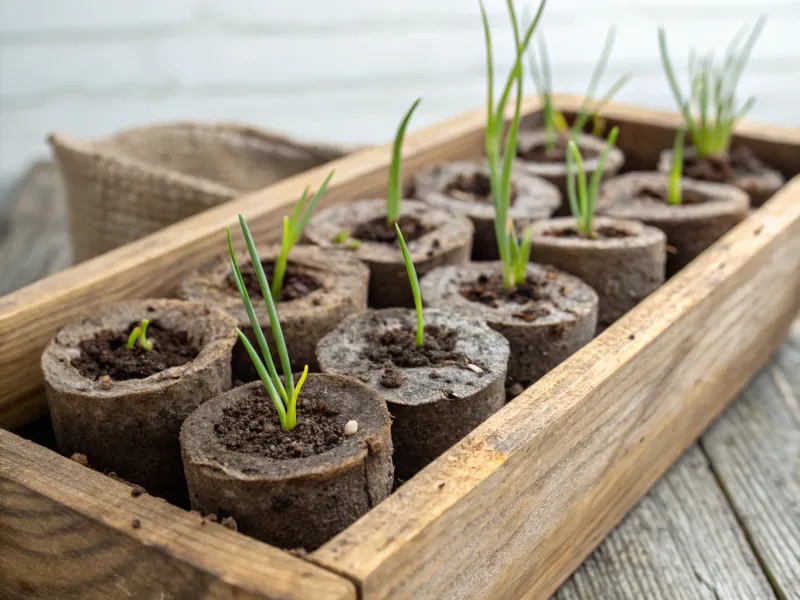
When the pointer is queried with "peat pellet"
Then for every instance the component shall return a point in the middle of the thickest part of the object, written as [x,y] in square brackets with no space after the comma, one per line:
[551,165]
[321,287]
[123,408]
[464,188]
[291,489]
[707,211]
[624,261]
[436,393]
[740,168]
[545,319]
[435,237]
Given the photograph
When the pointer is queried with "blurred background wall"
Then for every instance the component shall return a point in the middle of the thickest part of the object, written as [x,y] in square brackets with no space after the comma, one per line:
[340,70]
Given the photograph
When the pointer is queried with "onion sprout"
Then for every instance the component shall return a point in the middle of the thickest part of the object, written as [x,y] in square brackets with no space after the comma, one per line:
[412,278]
[674,194]
[394,192]
[140,333]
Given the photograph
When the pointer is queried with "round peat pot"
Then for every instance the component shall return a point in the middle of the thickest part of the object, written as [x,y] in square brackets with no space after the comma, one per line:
[552,165]
[545,319]
[321,287]
[624,262]
[292,489]
[434,237]
[436,393]
[708,210]
[464,188]
[123,408]
[739,168]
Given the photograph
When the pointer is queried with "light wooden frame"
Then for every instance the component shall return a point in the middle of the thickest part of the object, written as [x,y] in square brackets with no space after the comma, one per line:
[511,510]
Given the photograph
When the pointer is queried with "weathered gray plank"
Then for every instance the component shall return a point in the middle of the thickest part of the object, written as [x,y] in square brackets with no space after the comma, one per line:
[681,541]
[34,237]
[754,449]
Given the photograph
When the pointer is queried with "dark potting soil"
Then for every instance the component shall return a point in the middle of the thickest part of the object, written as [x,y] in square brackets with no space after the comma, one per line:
[653,193]
[557,154]
[740,161]
[397,348]
[251,426]
[599,233]
[296,283]
[377,230]
[473,188]
[106,354]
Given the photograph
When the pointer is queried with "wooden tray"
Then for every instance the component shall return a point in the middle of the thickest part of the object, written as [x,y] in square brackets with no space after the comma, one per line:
[509,512]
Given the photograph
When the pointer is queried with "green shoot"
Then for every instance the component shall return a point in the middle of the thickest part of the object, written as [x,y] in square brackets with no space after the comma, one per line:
[394,192]
[674,194]
[582,200]
[712,92]
[292,230]
[140,333]
[500,159]
[283,394]
[343,239]
[412,278]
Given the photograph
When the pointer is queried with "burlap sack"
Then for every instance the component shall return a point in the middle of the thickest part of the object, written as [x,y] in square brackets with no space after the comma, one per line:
[136,181]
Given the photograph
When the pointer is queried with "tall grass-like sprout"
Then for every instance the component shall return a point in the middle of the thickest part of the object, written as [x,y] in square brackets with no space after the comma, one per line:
[712,92]
[412,278]
[581,197]
[674,193]
[500,159]
[282,393]
[394,191]
[293,227]
[140,333]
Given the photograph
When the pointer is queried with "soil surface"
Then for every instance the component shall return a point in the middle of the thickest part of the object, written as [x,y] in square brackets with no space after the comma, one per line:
[740,161]
[558,154]
[397,347]
[489,290]
[252,427]
[654,193]
[474,188]
[378,231]
[599,233]
[107,354]
[296,283]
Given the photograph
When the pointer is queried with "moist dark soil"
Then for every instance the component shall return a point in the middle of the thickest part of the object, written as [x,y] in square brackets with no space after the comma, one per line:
[378,231]
[251,426]
[599,233]
[740,161]
[397,348]
[557,154]
[296,283]
[473,188]
[489,290]
[652,193]
[106,354]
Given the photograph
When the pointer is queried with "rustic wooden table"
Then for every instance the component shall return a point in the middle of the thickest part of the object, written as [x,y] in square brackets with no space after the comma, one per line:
[723,523]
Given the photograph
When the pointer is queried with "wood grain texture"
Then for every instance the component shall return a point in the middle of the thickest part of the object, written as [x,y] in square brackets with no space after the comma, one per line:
[67,532]
[515,507]
[680,542]
[152,265]
[755,451]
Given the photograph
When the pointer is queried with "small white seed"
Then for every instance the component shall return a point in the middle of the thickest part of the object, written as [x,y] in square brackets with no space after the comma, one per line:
[350,428]
[475,368]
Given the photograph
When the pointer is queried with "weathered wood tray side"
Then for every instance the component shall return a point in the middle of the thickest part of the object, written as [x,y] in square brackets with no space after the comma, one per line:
[152,265]
[68,532]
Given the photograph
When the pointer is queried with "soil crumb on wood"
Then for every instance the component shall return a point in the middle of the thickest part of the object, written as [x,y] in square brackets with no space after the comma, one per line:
[296,283]
[251,426]
[136,523]
[137,491]
[377,230]
[473,188]
[721,169]
[398,347]
[599,233]
[557,154]
[106,354]
[79,458]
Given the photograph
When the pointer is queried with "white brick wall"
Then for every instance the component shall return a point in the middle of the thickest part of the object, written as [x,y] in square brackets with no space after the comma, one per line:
[338,70]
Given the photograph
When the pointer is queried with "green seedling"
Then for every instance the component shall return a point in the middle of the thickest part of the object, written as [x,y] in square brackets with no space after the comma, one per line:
[394,191]
[712,92]
[140,333]
[582,198]
[674,193]
[282,393]
[343,239]
[293,227]
[500,159]
[412,278]
[554,122]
